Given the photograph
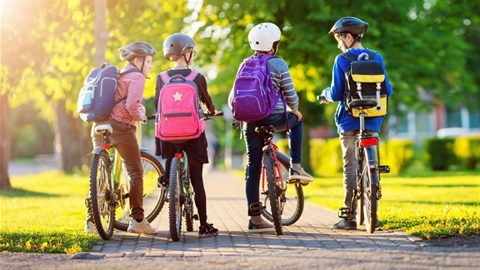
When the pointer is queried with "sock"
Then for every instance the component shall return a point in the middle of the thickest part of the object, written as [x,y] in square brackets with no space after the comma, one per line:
[296,166]
[256,219]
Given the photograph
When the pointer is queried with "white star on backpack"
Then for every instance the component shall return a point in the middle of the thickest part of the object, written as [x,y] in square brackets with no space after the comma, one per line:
[177,96]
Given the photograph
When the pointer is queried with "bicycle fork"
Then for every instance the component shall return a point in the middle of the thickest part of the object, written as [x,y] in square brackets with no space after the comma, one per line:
[278,177]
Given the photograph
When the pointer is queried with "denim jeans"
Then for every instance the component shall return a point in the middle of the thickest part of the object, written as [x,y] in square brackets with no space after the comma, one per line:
[349,155]
[254,145]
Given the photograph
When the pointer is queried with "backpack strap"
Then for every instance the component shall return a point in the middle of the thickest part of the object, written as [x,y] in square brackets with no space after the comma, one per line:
[165,77]
[122,73]
[352,57]
[128,71]
[193,74]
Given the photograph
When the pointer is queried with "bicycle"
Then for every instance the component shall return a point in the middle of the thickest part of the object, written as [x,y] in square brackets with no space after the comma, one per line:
[286,207]
[180,191]
[110,185]
[368,190]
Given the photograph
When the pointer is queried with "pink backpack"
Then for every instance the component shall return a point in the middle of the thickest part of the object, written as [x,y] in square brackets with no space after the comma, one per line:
[179,114]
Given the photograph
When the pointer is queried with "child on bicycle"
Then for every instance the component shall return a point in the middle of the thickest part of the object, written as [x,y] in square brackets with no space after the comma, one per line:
[264,39]
[179,48]
[348,31]
[131,85]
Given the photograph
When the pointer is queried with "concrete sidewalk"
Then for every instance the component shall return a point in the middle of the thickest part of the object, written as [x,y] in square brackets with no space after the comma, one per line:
[308,244]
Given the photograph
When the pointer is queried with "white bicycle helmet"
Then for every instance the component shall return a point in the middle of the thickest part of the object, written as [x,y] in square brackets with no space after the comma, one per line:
[262,36]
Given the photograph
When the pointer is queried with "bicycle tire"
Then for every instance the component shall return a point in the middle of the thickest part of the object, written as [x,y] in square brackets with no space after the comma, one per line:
[360,179]
[175,205]
[273,193]
[101,195]
[370,188]
[154,197]
[189,220]
[292,203]
[189,205]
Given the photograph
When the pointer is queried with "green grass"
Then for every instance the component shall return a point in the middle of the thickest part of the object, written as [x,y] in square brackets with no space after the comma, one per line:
[425,204]
[45,213]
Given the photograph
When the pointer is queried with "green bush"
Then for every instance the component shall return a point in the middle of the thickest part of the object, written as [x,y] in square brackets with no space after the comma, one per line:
[397,153]
[282,145]
[326,156]
[439,153]
[467,149]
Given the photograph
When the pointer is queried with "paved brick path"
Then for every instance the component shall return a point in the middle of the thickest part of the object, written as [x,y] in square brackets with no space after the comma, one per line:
[308,244]
[227,210]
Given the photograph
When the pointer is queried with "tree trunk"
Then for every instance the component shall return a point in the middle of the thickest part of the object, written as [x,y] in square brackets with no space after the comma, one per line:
[69,134]
[5,141]
[101,34]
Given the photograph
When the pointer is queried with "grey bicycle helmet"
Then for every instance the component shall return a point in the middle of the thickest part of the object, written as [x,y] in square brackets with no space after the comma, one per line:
[177,44]
[136,49]
[351,25]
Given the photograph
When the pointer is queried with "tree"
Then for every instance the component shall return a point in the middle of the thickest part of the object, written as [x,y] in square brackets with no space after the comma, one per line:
[424,44]
[15,53]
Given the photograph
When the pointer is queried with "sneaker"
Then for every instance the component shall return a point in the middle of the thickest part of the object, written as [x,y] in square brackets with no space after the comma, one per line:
[140,227]
[207,231]
[300,174]
[90,226]
[261,226]
[345,224]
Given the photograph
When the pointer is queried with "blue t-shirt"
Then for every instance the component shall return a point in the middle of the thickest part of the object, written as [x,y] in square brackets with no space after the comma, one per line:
[344,121]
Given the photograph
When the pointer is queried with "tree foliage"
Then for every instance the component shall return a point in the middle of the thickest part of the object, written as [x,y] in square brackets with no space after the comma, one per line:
[431,48]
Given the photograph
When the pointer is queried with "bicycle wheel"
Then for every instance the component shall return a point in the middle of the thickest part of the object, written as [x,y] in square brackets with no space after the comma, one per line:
[370,190]
[101,195]
[292,200]
[174,195]
[274,192]
[189,204]
[362,168]
[154,193]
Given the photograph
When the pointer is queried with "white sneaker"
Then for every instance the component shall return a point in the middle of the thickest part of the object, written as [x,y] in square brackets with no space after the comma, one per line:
[300,174]
[140,227]
[258,224]
[90,227]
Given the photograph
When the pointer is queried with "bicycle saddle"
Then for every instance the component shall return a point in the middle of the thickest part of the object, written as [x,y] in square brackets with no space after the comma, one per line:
[363,104]
[103,127]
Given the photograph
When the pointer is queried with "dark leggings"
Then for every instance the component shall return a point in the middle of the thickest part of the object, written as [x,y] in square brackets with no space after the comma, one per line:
[196,177]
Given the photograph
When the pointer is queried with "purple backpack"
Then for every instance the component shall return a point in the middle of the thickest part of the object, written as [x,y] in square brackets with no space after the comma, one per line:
[254,96]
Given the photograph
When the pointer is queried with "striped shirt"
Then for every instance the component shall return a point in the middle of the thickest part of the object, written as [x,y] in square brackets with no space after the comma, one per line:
[282,81]
[130,85]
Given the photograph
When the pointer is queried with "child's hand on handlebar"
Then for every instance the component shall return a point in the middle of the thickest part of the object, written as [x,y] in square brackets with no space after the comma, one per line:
[322,99]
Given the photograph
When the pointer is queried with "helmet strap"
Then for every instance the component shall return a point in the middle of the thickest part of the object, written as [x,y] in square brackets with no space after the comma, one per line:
[143,63]
[189,58]
[357,39]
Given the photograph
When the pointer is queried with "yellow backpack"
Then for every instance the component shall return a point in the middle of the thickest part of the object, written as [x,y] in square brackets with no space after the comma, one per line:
[365,79]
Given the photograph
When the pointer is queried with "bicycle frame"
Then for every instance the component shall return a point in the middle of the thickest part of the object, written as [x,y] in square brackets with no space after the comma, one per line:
[272,150]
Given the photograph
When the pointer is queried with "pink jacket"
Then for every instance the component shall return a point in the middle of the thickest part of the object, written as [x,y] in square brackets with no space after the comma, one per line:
[130,85]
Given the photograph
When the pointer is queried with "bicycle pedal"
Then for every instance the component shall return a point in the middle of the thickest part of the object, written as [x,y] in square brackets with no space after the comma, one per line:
[384,169]
[195,216]
[293,181]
